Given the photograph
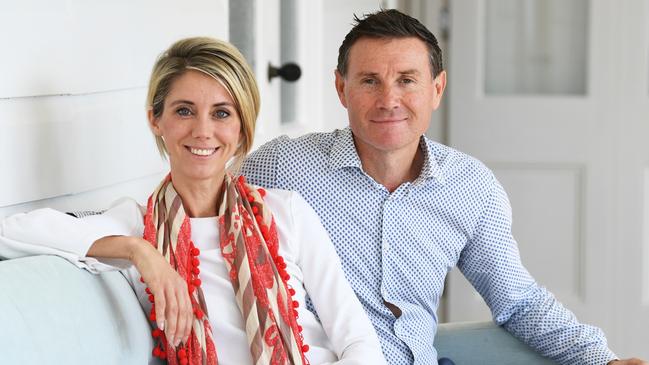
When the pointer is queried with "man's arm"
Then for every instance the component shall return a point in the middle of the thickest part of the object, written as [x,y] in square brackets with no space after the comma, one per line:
[491,262]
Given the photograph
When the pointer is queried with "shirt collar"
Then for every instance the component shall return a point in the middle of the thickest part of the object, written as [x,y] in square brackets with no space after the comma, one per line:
[343,151]
[431,168]
[343,154]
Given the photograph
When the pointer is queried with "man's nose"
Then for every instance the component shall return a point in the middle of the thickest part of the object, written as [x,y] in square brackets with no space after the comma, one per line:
[389,98]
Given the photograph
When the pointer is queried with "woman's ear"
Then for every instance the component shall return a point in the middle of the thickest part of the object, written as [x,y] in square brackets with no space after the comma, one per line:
[153,123]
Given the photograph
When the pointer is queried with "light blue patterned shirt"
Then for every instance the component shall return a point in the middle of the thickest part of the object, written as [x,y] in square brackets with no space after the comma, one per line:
[400,246]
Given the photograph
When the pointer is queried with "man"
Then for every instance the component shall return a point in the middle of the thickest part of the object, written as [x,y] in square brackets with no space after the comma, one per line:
[402,210]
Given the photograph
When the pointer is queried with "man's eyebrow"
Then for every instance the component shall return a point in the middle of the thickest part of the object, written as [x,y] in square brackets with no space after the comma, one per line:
[412,71]
[366,74]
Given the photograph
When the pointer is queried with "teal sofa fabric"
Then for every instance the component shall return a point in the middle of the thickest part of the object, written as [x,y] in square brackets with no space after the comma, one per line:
[51,312]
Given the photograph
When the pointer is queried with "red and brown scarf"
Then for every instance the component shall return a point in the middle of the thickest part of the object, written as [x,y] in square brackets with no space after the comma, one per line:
[249,245]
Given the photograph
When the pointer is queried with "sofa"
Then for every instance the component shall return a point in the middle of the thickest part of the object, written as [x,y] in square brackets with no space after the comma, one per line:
[51,312]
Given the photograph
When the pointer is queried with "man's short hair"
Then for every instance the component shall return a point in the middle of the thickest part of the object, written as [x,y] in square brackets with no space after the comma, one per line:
[389,24]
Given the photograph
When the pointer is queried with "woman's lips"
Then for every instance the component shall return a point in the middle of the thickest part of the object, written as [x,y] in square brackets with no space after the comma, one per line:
[201,151]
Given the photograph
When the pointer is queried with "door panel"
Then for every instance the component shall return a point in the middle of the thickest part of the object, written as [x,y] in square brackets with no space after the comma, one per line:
[574,163]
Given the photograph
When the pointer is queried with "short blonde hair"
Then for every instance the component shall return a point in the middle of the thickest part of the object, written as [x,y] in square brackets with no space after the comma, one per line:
[218,59]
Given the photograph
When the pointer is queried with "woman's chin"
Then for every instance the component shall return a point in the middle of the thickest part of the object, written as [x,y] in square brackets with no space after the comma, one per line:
[199,175]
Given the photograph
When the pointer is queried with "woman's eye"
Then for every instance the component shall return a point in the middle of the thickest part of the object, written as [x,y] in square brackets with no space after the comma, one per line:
[183,112]
[221,114]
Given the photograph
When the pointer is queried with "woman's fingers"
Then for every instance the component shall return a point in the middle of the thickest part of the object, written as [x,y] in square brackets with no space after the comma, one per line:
[183,312]
[178,314]
[173,308]
[189,316]
[160,305]
[171,316]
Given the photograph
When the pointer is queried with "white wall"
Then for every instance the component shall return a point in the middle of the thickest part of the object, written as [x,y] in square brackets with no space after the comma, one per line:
[338,17]
[72,96]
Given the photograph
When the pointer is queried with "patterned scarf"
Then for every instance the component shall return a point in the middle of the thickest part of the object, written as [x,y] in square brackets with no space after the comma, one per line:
[249,245]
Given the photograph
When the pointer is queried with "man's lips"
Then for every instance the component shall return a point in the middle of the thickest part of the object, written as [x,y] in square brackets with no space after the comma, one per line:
[388,120]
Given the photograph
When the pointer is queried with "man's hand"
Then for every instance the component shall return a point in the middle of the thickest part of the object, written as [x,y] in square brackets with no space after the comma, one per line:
[628,362]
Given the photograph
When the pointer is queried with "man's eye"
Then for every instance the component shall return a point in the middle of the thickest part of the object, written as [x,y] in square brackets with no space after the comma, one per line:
[183,112]
[369,81]
[407,81]
[221,114]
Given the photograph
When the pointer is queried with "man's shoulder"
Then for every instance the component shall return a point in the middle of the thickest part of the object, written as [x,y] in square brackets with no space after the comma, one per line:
[284,156]
[288,147]
[455,165]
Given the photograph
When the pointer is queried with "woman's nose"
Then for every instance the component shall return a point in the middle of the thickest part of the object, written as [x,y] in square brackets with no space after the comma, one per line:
[202,126]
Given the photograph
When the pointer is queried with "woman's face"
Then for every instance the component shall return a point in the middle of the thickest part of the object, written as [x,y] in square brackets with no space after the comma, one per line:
[200,128]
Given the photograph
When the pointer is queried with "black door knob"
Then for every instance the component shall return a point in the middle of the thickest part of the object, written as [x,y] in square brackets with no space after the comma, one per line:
[288,72]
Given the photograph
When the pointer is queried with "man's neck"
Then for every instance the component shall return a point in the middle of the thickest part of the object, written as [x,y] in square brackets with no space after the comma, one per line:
[392,168]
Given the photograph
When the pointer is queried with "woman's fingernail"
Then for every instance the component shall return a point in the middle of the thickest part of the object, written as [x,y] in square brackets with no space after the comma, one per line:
[161,325]
[177,342]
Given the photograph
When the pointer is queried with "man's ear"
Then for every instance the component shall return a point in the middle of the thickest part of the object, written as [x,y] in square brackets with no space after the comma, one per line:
[440,85]
[153,123]
[340,88]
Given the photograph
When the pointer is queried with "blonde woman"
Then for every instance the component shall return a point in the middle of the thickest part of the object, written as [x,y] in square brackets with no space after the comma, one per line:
[221,267]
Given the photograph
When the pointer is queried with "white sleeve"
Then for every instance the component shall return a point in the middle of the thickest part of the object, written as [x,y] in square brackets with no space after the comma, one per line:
[50,232]
[343,318]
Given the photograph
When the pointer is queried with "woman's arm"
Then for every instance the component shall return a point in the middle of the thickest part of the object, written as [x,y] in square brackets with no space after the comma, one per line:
[173,307]
[50,232]
[109,236]
[343,318]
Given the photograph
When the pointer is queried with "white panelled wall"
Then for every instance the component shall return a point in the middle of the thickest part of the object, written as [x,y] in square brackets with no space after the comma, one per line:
[72,97]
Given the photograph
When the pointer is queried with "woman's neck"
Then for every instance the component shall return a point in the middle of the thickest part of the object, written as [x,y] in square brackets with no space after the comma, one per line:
[201,198]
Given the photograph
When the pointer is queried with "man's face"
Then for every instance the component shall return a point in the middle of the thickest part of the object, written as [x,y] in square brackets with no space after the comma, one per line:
[389,93]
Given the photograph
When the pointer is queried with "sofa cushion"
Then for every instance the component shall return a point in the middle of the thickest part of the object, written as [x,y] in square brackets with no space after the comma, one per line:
[484,343]
[54,313]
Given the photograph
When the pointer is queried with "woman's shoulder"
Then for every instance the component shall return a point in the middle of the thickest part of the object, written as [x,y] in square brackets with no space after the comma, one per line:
[280,202]
[285,202]
[125,215]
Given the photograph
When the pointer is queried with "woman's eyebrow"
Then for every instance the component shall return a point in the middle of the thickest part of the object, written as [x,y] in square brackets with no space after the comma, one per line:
[175,102]
[223,103]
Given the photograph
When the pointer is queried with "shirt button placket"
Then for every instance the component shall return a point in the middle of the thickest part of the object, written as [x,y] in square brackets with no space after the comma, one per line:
[385,247]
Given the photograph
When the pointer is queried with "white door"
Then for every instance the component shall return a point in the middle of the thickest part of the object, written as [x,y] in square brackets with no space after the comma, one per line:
[554,97]
[255,30]
[276,33]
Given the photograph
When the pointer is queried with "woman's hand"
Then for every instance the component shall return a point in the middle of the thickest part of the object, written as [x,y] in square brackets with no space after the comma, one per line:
[173,309]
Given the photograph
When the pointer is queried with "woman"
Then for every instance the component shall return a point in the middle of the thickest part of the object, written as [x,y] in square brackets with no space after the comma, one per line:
[223,267]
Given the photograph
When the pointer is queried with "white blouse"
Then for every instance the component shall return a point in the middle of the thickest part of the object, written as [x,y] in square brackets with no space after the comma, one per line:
[344,335]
